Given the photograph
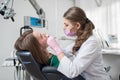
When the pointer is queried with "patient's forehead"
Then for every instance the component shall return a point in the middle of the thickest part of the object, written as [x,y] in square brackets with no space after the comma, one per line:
[36,34]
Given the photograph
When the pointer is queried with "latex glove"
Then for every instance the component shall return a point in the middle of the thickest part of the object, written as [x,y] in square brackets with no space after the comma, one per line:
[54,45]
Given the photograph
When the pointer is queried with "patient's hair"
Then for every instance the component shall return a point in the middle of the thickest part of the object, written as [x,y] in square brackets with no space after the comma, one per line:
[74,15]
[28,42]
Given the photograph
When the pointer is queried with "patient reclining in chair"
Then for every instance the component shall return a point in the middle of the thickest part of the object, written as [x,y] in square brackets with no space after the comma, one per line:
[36,43]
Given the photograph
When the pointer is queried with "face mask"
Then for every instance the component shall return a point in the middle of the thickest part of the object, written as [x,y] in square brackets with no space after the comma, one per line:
[68,33]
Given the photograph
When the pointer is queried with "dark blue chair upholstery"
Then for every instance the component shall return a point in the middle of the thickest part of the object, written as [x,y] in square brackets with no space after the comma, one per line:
[39,72]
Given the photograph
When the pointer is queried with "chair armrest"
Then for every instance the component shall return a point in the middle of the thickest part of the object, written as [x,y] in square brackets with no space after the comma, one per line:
[49,69]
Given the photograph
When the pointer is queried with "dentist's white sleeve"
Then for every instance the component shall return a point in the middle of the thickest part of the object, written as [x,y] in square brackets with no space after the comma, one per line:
[85,56]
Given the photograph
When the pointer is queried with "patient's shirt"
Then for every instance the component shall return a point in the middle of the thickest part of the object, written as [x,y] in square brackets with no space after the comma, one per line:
[53,61]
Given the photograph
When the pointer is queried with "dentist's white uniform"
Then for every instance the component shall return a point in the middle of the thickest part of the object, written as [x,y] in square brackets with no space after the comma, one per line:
[87,61]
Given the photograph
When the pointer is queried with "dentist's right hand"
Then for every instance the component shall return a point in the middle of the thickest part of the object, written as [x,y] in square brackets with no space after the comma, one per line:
[54,45]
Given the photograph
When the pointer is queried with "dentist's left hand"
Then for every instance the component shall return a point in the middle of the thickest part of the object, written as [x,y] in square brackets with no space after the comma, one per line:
[54,45]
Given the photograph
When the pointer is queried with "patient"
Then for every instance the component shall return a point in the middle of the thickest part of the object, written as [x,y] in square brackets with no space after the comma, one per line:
[36,43]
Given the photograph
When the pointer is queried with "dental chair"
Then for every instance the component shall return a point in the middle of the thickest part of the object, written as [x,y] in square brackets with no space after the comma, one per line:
[38,71]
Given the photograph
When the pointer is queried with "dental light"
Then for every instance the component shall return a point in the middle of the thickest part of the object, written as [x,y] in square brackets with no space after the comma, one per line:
[7,12]
[33,21]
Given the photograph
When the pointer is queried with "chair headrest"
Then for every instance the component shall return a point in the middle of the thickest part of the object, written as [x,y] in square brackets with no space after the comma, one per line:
[30,65]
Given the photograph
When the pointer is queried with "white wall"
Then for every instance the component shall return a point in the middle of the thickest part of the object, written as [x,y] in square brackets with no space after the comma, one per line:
[105,17]
[9,31]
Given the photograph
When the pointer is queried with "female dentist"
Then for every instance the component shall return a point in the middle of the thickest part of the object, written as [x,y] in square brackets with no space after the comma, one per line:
[87,59]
